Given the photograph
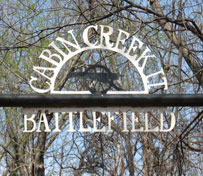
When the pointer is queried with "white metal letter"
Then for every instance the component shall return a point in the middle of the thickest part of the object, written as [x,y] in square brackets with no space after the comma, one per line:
[71,122]
[43,119]
[82,129]
[85,36]
[156,129]
[132,47]
[37,89]
[65,42]
[106,36]
[95,120]
[31,119]
[110,118]
[173,122]
[124,122]
[56,115]
[135,119]
[122,41]
[50,56]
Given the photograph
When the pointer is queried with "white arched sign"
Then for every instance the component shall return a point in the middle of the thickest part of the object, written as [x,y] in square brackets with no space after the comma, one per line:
[58,58]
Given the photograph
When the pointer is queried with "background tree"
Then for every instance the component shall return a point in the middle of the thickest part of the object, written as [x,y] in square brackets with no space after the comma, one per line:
[171,29]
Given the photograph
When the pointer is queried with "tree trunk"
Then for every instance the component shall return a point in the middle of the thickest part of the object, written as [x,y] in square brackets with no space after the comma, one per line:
[39,155]
[130,156]
[193,61]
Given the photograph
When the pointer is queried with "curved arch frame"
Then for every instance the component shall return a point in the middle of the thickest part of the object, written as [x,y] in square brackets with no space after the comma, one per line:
[91,46]
[72,54]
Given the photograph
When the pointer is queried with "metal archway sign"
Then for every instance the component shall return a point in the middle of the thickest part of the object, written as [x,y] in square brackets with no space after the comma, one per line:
[58,58]
[98,99]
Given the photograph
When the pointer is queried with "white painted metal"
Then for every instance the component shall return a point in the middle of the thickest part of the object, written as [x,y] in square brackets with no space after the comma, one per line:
[99,44]
[128,116]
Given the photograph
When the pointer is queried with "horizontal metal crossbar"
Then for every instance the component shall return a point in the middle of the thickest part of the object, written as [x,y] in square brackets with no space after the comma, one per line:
[51,100]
